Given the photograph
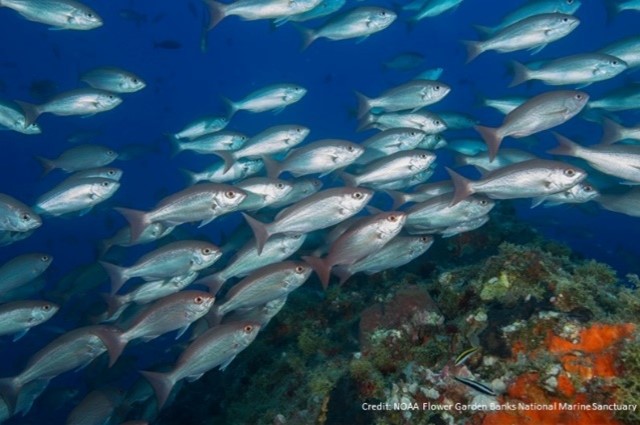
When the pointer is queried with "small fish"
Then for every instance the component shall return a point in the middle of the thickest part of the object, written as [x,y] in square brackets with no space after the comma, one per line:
[79,158]
[541,112]
[420,193]
[506,104]
[405,61]
[262,192]
[16,216]
[618,6]
[216,348]
[76,195]
[439,213]
[398,166]
[201,126]
[464,356]
[432,8]
[465,226]
[60,14]
[12,118]
[613,132]
[411,96]
[275,97]
[19,316]
[480,387]
[216,173]
[358,23]
[428,122]
[167,44]
[114,80]
[210,143]
[627,203]
[99,405]
[251,10]
[627,49]
[152,232]
[325,8]
[622,99]
[389,142]
[430,74]
[577,194]
[102,172]
[505,157]
[301,188]
[457,120]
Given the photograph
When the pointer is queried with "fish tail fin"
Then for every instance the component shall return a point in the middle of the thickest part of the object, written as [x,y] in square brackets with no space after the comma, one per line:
[611,131]
[117,275]
[161,384]
[103,247]
[397,197]
[348,179]
[260,231]
[192,177]
[10,390]
[566,146]
[227,157]
[113,339]
[31,112]
[474,49]
[365,122]
[174,144]
[217,12]
[214,282]
[47,165]
[214,316]
[138,221]
[114,303]
[363,104]
[343,274]
[520,73]
[308,36]
[483,30]
[231,106]
[491,138]
[272,166]
[462,187]
[321,267]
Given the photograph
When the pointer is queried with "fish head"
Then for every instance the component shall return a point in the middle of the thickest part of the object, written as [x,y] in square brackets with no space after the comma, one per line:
[575,102]
[84,18]
[104,188]
[106,101]
[229,198]
[251,166]
[200,302]
[132,83]
[25,220]
[205,255]
[436,91]
[300,272]
[350,152]
[112,173]
[421,160]
[290,242]
[584,192]
[294,93]
[561,25]
[296,134]
[355,199]
[611,66]
[43,311]
[43,261]
[390,223]
[381,18]
[109,155]
[412,136]
[565,176]
[280,189]
[247,332]
[423,242]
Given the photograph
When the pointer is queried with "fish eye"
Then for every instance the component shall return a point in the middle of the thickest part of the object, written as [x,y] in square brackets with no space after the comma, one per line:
[350,148]
[358,195]
[296,236]
[569,1]
[90,15]
[565,19]
[44,258]
[436,88]
[423,156]
[393,218]
[483,202]
[135,80]
[579,96]
[299,130]
[206,251]
[26,217]
[46,307]
[614,62]
[437,122]
[247,329]
[383,13]
[111,153]
[587,188]
[105,184]
[280,185]
[299,269]
[230,194]
[111,172]
[569,172]
[111,97]
[424,239]
[198,299]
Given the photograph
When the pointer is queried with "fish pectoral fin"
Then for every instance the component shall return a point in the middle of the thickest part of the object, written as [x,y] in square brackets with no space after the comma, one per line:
[194,377]
[581,86]
[278,109]
[361,39]
[205,222]
[535,50]
[87,115]
[20,334]
[227,363]
[181,331]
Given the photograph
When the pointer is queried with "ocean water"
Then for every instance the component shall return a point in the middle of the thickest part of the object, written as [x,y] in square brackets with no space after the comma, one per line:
[184,82]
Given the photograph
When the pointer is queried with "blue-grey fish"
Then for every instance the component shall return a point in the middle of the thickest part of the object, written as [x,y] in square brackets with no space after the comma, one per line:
[407,182]
[467,147]
[76,195]
[320,157]
[457,120]
[425,121]
[621,161]
[432,8]
[113,79]
[622,99]
[613,132]
[173,312]
[240,169]
[430,74]
[82,157]
[274,97]
[262,192]
[464,226]
[210,143]
[528,179]
[627,203]
[541,112]
[263,285]
[483,163]
[60,14]
[581,69]
[12,118]
[619,6]
[398,166]
[22,269]
[397,253]
[364,237]
[261,314]
[406,61]
[96,408]
[532,33]
[174,259]
[251,10]
[359,23]
[412,96]
[201,126]
[325,8]
[16,216]
[420,193]
[84,102]
[505,105]
[217,347]
[627,49]
[578,194]
[318,211]
[439,213]
[100,172]
[151,233]
[202,202]
[389,142]
[279,138]
[301,188]
[19,316]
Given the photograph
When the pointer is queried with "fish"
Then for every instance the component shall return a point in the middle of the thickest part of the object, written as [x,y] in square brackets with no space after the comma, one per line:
[216,348]
[433,8]
[532,33]
[430,74]
[16,216]
[325,8]
[483,163]
[627,49]
[457,120]
[75,195]
[527,179]
[99,405]
[84,102]
[428,122]
[465,226]
[467,147]
[622,99]
[478,386]
[19,316]
[216,173]
[202,202]
[273,140]
[578,194]
[251,10]
[622,161]
[114,80]
[274,97]
[201,126]
[397,166]
[613,132]
[439,213]
[173,259]
[388,142]
[318,211]
[627,203]
[405,61]
[266,284]
[407,182]
[358,23]
[300,189]
[262,192]
[152,232]
[420,193]
[409,96]
[210,143]
[581,69]
[365,237]
[79,158]
[464,355]
[541,112]
[60,14]
[173,312]
[618,6]
[110,173]
[506,104]
[400,251]
[320,157]
[261,314]
[12,118]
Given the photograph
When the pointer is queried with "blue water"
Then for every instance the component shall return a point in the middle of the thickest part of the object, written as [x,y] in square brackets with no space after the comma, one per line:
[186,83]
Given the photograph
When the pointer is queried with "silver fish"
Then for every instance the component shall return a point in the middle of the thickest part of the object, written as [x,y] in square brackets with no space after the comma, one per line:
[325,8]
[483,163]
[578,194]
[76,195]
[506,104]
[85,102]
[467,147]
[623,99]
[528,179]
[173,259]
[420,193]
[261,314]
[97,407]
[216,173]
[12,118]
[217,347]
[201,126]
[432,142]
[541,112]
[19,316]
[262,192]
[432,8]
[389,142]
[78,158]
[430,74]
[114,80]
[101,172]
[251,10]
[394,167]
[318,211]
[60,14]
[438,213]
[210,143]
[627,49]
[275,97]
[533,33]
[365,237]
[301,188]
[465,226]
[23,269]
[428,122]
[151,233]
[16,216]
[411,96]
[202,202]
